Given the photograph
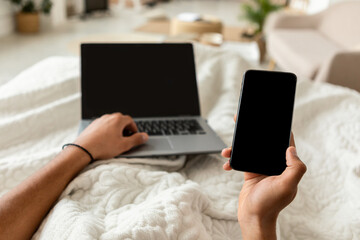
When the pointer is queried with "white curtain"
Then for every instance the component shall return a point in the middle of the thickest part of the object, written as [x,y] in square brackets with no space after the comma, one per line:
[6,18]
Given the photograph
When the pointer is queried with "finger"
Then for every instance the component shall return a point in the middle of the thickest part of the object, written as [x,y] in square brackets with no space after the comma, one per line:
[135,140]
[295,167]
[129,124]
[292,140]
[227,166]
[226,152]
[235,116]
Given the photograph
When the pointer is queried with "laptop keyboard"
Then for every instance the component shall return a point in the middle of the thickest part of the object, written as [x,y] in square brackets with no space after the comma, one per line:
[170,127]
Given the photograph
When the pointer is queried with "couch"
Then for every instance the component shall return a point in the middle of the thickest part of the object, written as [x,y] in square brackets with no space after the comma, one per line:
[324,47]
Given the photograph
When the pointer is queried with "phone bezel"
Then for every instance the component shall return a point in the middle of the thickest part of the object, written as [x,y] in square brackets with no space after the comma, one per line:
[294,77]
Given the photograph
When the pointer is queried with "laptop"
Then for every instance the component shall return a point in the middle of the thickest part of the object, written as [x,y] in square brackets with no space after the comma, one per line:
[156,85]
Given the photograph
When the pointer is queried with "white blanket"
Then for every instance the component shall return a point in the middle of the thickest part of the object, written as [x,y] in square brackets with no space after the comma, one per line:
[178,199]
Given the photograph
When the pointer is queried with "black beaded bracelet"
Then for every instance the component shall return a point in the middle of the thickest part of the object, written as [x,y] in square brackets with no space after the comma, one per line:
[73,144]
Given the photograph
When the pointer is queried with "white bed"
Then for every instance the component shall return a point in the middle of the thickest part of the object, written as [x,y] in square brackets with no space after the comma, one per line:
[189,198]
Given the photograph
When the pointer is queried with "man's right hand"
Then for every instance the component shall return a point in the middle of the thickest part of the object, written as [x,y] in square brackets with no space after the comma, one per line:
[104,139]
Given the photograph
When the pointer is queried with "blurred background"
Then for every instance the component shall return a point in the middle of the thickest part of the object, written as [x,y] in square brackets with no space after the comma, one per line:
[33,30]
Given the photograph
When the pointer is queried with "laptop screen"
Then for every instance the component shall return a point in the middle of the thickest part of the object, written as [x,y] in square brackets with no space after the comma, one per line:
[141,80]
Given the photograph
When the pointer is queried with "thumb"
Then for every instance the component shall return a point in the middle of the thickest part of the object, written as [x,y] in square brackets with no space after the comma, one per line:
[137,139]
[295,167]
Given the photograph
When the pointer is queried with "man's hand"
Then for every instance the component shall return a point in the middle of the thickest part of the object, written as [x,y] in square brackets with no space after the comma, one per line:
[23,208]
[104,139]
[263,197]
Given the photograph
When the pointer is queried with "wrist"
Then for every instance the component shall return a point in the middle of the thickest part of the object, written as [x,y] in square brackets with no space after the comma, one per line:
[83,158]
[80,147]
[90,146]
[258,227]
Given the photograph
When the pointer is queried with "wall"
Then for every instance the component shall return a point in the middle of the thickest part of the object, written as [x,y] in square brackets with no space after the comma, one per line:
[78,4]
[58,12]
[6,18]
[319,5]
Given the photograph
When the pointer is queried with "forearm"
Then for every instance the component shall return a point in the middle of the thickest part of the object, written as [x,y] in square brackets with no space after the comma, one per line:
[23,208]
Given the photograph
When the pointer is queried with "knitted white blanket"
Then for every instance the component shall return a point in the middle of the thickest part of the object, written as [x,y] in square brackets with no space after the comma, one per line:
[192,199]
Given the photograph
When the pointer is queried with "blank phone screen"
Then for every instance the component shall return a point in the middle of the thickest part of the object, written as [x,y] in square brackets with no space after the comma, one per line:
[263,127]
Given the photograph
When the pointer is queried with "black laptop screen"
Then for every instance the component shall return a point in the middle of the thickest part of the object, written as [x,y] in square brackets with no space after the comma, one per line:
[141,80]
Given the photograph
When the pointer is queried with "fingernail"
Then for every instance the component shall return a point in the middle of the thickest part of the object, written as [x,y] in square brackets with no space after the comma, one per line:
[145,137]
[293,151]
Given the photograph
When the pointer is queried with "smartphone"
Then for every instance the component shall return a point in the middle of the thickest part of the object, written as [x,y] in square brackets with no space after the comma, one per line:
[263,125]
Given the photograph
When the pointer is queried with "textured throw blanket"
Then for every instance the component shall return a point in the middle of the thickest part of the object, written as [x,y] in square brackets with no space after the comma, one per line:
[188,197]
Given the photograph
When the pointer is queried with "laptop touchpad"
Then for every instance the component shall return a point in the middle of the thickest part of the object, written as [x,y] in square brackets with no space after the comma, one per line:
[156,144]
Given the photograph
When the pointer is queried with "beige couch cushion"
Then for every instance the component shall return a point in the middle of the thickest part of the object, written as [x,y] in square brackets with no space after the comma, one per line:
[340,23]
[304,50]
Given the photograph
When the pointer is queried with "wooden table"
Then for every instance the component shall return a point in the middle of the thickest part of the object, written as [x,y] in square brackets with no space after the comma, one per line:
[230,33]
